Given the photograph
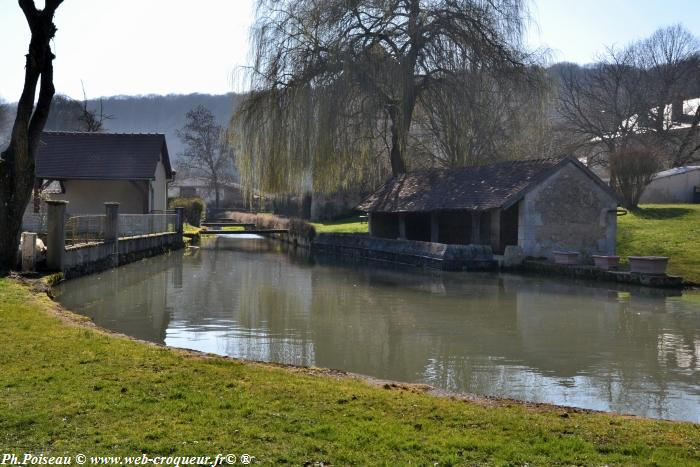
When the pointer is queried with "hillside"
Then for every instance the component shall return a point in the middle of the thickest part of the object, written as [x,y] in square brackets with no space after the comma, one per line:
[162,114]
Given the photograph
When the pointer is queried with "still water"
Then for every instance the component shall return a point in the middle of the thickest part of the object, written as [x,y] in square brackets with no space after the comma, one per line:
[598,346]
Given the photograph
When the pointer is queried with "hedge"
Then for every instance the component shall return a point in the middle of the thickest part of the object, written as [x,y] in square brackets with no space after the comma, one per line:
[195,209]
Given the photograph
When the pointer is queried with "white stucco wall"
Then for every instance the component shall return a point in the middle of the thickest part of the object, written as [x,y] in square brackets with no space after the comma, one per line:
[674,189]
[567,211]
[160,188]
[89,196]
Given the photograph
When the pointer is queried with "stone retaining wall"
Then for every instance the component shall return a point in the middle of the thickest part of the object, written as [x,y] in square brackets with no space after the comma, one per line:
[408,252]
[593,273]
[90,258]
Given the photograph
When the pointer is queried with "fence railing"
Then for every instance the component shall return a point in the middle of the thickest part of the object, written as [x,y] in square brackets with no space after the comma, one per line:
[85,229]
[131,225]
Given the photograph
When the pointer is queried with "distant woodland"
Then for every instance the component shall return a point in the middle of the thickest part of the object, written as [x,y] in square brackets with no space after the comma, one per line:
[137,114]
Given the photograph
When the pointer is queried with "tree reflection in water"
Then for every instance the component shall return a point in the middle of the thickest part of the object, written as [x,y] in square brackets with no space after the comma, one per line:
[630,350]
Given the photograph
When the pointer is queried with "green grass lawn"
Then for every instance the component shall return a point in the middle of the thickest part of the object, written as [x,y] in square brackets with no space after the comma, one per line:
[69,388]
[664,230]
[347,225]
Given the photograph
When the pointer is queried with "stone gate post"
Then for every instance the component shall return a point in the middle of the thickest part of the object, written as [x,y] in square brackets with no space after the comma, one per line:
[111,235]
[28,251]
[180,220]
[56,238]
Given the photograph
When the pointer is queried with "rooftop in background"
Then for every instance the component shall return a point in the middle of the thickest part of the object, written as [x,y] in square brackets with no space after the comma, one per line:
[478,188]
[676,171]
[101,156]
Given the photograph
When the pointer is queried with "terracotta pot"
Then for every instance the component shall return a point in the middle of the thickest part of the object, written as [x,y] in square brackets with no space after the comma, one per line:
[648,264]
[565,257]
[606,262]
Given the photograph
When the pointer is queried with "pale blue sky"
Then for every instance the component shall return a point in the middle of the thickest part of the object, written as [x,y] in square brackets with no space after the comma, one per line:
[182,46]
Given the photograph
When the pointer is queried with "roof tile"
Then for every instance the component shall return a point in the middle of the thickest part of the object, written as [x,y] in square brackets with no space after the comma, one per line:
[100,156]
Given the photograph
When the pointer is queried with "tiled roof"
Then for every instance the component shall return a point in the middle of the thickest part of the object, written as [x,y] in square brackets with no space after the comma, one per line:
[476,188]
[100,156]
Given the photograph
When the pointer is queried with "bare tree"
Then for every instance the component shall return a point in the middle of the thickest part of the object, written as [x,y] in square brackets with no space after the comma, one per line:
[670,59]
[207,152]
[636,93]
[598,105]
[17,161]
[68,114]
[330,76]
[91,120]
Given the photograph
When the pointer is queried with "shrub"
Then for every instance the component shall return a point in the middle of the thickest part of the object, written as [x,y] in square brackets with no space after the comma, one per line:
[194,209]
[631,170]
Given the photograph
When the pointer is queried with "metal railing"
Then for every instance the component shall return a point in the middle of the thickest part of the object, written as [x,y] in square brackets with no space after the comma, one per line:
[131,225]
[85,229]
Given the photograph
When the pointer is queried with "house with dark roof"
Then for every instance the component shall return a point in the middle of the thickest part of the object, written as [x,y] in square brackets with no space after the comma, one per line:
[89,169]
[541,205]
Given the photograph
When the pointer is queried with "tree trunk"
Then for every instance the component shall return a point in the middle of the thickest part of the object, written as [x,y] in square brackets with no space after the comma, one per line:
[398,144]
[216,194]
[401,116]
[17,161]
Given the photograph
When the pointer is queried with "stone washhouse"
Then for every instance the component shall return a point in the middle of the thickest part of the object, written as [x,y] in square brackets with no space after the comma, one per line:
[542,206]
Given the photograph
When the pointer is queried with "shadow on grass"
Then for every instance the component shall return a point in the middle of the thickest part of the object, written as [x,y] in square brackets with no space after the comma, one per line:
[661,213]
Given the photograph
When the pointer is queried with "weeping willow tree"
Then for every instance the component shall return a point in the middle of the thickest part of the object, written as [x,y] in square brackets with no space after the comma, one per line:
[482,117]
[335,83]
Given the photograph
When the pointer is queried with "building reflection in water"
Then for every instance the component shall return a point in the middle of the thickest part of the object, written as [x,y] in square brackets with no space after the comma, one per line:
[629,350]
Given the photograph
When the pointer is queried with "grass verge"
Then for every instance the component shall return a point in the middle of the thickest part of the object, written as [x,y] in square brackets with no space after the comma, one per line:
[68,387]
[669,230]
[347,225]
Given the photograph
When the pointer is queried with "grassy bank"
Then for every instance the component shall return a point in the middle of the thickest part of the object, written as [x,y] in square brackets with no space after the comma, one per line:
[69,388]
[348,225]
[664,230]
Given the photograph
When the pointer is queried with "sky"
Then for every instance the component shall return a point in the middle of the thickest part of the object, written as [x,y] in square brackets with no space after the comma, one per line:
[136,47]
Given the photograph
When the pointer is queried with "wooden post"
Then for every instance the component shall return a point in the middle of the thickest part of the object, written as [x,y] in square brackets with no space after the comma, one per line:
[56,238]
[28,251]
[434,228]
[181,220]
[402,226]
[495,231]
[476,228]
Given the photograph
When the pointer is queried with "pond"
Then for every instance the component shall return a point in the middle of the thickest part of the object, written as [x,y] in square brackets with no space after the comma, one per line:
[597,346]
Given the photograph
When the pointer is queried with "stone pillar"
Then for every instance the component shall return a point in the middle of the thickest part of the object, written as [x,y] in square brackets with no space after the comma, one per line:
[112,230]
[56,238]
[495,230]
[434,228]
[402,226]
[180,223]
[111,222]
[476,228]
[28,251]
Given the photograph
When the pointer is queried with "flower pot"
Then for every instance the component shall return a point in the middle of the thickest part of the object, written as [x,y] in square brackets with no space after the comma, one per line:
[648,264]
[606,262]
[565,257]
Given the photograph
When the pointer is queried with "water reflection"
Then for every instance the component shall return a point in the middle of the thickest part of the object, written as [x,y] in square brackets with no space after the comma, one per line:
[629,350]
